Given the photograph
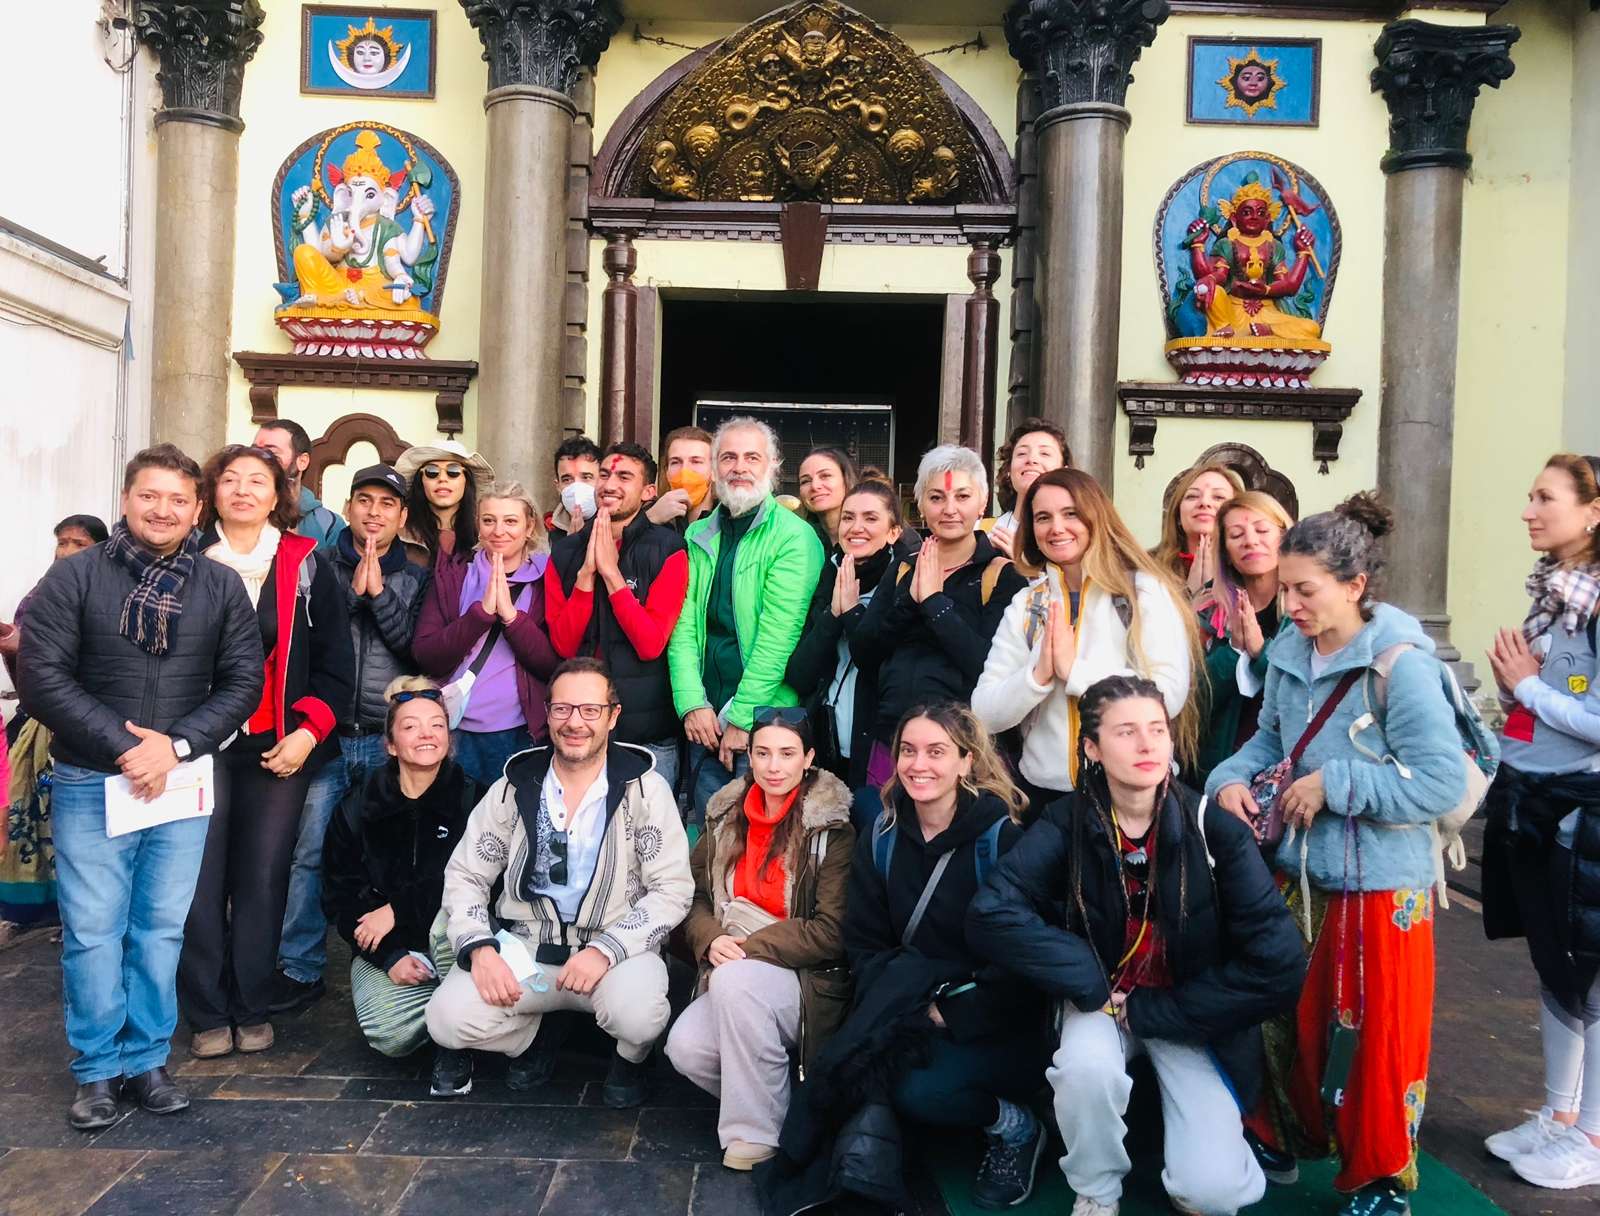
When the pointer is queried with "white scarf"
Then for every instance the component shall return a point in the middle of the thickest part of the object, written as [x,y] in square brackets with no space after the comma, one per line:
[252,567]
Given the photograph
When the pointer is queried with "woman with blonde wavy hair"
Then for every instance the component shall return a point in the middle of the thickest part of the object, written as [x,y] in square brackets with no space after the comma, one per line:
[935,1035]
[1098,605]
[1190,546]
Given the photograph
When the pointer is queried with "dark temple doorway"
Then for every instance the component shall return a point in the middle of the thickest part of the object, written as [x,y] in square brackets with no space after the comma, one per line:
[858,373]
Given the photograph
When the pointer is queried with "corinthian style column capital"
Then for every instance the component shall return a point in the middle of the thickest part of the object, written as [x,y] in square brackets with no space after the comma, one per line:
[203,47]
[1082,50]
[542,42]
[1430,76]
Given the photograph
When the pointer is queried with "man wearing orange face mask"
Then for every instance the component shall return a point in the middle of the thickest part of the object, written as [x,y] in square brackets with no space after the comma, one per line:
[685,493]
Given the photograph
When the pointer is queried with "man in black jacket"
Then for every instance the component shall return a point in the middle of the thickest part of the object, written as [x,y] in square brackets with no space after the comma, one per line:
[383,592]
[139,654]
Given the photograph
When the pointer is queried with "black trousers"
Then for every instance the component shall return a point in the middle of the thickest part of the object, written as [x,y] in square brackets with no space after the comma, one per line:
[1039,797]
[230,942]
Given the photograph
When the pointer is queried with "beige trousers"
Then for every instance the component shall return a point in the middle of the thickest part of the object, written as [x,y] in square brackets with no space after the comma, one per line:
[735,1042]
[629,1004]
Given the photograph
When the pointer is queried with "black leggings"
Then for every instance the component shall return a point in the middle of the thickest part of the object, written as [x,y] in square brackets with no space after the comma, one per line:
[230,942]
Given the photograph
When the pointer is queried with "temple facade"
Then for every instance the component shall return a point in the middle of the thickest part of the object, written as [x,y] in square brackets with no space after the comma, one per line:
[1296,237]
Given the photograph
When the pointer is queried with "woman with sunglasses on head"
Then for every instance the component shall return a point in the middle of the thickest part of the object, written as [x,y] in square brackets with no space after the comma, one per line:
[1360,778]
[841,694]
[1237,626]
[227,970]
[1098,606]
[1162,932]
[825,477]
[935,1034]
[444,481]
[1189,546]
[1541,846]
[482,627]
[770,874]
[383,871]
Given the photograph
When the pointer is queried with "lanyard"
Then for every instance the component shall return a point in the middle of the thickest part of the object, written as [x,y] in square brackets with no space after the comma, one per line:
[1351,833]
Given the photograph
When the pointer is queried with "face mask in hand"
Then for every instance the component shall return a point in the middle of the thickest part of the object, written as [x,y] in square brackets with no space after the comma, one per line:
[578,498]
[695,485]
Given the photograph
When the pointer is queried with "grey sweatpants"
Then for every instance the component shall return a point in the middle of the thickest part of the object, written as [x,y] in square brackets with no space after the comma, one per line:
[735,1041]
[1208,1166]
[629,1003]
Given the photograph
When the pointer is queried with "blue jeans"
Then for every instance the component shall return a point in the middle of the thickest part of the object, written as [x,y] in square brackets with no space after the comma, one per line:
[483,753]
[303,950]
[666,753]
[123,904]
[707,776]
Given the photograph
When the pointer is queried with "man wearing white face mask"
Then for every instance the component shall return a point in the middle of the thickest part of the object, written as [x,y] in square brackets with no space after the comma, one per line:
[577,475]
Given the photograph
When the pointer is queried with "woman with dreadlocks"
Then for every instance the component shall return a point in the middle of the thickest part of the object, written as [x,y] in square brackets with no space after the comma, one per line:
[1162,932]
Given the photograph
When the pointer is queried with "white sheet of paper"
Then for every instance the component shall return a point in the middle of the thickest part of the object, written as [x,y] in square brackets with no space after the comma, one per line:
[191,792]
[514,953]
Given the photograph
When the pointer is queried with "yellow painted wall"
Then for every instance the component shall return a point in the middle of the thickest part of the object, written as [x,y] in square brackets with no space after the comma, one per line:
[1514,327]
[277,120]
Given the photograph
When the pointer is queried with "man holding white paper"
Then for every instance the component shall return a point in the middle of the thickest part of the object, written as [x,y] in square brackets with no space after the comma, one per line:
[587,838]
[138,656]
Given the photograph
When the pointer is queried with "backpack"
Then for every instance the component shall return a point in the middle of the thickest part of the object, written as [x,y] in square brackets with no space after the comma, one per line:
[985,849]
[1480,754]
[1039,606]
[986,583]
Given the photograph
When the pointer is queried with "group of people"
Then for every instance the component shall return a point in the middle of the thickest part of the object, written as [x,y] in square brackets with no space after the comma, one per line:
[941,816]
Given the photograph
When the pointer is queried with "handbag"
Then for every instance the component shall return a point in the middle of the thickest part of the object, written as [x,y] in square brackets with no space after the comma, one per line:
[459,691]
[1267,786]
[742,917]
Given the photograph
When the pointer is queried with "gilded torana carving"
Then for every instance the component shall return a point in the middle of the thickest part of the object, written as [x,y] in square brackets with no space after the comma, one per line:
[817,103]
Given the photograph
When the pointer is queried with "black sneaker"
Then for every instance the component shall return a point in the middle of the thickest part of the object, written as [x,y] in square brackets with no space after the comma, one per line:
[452,1074]
[625,1083]
[289,994]
[1380,1199]
[1279,1167]
[536,1065]
[1005,1178]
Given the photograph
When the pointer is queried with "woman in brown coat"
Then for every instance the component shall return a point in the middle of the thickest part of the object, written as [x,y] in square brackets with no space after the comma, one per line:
[770,877]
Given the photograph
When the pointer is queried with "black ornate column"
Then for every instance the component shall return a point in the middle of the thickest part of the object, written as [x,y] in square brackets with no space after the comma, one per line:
[535,50]
[1430,76]
[1082,52]
[203,48]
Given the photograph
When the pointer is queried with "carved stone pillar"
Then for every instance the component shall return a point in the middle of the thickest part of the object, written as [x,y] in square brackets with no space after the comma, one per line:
[1430,76]
[202,49]
[980,342]
[534,49]
[1083,53]
[618,338]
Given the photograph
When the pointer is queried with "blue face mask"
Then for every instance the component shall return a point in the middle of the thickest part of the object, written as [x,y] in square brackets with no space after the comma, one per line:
[578,498]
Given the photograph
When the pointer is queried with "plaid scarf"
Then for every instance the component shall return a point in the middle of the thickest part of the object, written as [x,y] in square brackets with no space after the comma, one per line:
[154,604]
[1569,592]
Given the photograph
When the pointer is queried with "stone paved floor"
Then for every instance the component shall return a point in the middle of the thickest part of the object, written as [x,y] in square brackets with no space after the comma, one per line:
[321,1124]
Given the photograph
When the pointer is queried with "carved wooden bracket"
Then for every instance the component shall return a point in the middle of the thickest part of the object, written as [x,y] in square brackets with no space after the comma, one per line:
[343,435]
[447,379]
[1147,402]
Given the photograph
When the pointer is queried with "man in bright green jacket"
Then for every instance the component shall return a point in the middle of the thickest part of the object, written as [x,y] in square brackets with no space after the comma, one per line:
[752,568]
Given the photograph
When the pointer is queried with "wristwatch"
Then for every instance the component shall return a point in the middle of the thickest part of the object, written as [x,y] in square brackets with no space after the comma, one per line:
[180,748]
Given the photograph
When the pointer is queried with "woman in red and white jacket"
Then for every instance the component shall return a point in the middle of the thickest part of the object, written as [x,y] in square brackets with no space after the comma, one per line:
[226,970]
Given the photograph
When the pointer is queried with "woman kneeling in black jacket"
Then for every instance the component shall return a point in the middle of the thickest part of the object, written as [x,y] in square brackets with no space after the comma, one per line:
[383,873]
[1163,932]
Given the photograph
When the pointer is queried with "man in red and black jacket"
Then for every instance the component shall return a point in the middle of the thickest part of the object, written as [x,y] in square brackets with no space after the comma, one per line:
[644,571]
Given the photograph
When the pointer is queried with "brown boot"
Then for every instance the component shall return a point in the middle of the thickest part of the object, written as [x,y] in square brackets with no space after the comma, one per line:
[253,1038]
[209,1044]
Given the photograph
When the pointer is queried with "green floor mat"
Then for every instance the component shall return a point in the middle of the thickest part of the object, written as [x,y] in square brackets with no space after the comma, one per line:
[1443,1192]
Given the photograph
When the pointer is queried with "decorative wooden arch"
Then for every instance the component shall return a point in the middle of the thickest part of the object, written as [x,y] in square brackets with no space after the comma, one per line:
[343,435]
[1253,470]
[721,142]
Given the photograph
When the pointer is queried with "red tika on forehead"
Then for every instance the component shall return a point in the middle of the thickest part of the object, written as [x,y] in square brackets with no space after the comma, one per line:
[949,481]
[611,468]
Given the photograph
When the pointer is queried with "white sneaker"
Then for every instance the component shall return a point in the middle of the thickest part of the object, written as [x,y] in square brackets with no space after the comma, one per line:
[1562,1162]
[1089,1207]
[1526,1137]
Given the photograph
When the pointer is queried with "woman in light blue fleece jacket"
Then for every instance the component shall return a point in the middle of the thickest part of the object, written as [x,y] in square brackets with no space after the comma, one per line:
[1359,830]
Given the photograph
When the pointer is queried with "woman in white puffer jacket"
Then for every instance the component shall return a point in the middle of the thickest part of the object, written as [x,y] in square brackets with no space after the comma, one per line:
[1098,605]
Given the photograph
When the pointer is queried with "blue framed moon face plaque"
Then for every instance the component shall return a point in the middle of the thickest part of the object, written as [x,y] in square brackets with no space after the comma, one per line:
[1275,83]
[367,52]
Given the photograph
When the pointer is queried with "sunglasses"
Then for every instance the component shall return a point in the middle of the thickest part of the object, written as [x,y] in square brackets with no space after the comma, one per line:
[560,711]
[433,471]
[558,858]
[785,715]
[427,694]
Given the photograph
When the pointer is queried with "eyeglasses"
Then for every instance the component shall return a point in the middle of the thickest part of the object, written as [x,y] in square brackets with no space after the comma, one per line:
[427,694]
[787,715]
[560,711]
[433,472]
